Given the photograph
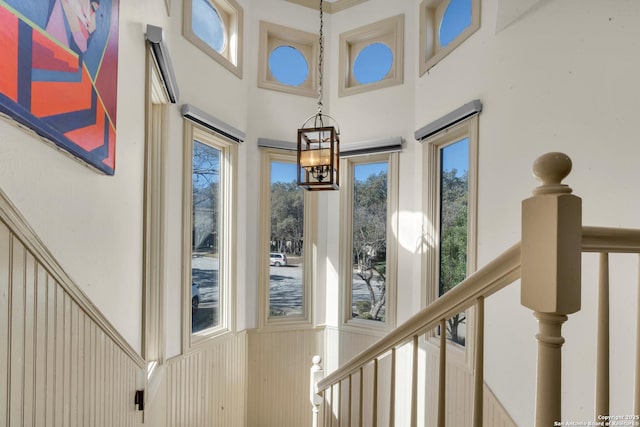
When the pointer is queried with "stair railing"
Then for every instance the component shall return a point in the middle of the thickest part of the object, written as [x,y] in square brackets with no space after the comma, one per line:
[548,262]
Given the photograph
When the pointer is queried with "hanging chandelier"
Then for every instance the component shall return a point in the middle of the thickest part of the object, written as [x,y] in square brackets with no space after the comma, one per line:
[319,142]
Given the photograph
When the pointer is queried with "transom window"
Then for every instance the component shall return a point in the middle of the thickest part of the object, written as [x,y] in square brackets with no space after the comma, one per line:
[286,248]
[215,27]
[372,63]
[208,25]
[288,60]
[444,25]
[371,57]
[288,65]
[369,204]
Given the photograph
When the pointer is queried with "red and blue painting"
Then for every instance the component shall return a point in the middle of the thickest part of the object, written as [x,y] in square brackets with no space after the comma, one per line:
[58,73]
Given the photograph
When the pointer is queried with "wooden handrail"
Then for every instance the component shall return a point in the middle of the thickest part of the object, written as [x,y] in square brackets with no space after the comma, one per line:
[606,239]
[494,276]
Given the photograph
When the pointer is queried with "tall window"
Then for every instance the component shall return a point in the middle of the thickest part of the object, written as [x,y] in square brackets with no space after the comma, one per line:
[444,25]
[286,250]
[450,206]
[215,27]
[369,203]
[208,233]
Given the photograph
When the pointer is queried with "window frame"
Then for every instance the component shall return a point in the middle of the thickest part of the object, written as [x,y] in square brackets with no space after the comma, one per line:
[432,145]
[431,14]
[346,243]
[232,16]
[307,320]
[273,36]
[227,248]
[154,284]
[390,32]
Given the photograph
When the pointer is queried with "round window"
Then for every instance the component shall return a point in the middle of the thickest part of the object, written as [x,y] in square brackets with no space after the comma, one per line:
[207,24]
[456,18]
[373,63]
[288,65]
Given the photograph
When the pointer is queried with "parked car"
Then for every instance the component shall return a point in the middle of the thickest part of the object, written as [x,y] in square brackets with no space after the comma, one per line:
[277,259]
[195,297]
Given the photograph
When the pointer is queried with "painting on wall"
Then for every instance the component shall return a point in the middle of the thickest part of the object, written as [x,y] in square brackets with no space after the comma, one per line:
[58,73]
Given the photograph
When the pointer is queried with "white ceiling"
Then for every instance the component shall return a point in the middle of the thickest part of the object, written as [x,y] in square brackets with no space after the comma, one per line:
[330,6]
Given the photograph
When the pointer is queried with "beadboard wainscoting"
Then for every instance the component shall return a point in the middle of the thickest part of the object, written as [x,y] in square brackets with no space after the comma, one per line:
[61,362]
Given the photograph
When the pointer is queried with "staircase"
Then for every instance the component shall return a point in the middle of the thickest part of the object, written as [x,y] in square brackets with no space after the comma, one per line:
[374,388]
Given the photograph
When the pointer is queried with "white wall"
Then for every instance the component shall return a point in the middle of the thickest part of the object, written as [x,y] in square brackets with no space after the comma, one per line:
[558,75]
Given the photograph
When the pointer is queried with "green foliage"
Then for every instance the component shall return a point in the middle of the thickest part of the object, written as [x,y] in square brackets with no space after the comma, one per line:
[287,217]
[370,242]
[453,243]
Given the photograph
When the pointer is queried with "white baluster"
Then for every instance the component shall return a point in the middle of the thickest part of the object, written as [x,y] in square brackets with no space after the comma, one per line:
[636,406]
[551,264]
[478,394]
[316,375]
[602,347]
[442,385]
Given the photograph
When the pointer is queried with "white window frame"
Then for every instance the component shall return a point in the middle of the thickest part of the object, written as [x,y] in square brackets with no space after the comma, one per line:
[269,155]
[431,14]
[232,16]
[390,32]
[154,284]
[227,248]
[373,327]
[273,36]
[432,145]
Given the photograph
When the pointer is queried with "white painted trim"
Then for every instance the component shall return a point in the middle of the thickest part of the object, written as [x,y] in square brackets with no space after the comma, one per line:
[328,7]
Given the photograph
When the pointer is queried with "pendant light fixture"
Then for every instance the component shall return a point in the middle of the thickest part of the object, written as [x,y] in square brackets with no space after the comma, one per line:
[319,142]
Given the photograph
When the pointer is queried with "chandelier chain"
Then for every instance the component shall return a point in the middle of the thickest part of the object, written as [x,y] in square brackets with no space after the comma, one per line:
[321,55]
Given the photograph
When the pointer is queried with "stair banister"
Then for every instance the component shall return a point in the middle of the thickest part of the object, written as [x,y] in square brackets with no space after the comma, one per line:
[551,273]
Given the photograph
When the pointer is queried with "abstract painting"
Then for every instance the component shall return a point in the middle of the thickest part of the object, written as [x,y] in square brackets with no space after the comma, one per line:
[58,73]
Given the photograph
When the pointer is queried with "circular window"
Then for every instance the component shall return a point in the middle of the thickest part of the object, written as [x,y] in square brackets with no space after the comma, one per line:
[373,63]
[456,18]
[207,24]
[288,65]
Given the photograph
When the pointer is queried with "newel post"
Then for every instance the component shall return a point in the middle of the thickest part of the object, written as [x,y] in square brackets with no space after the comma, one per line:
[551,263]
[317,373]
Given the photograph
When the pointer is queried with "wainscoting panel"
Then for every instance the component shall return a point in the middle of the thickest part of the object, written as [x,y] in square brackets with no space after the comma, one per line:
[208,387]
[459,394]
[61,362]
[279,364]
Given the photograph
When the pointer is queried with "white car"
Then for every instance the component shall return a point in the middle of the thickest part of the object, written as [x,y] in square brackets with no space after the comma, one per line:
[277,259]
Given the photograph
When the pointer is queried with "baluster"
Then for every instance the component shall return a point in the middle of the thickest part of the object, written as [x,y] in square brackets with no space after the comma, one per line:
[350,399]
[602,355]
[374,422]
[339,403]
[636,406]
[361,406]
[478,395]
[392,392]
[443,373]
[316,375]
[551,264]
[414,383]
